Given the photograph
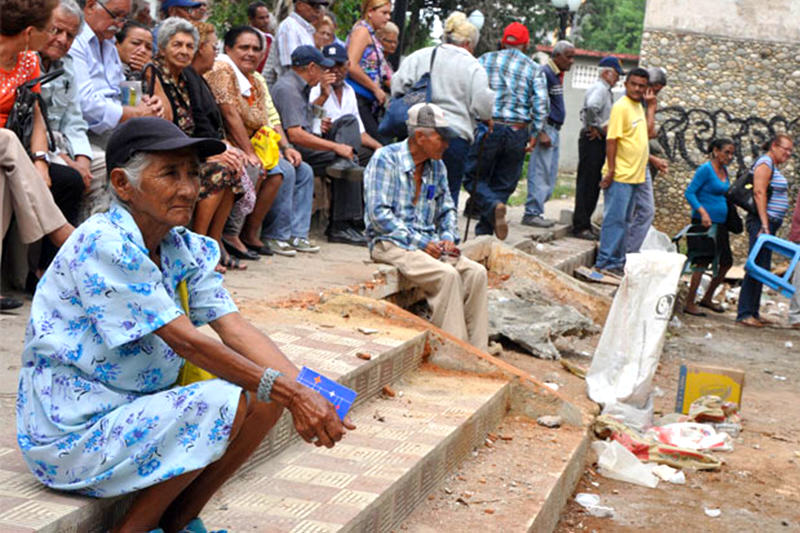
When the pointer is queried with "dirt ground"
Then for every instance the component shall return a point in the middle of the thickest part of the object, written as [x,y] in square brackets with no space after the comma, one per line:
[758,489]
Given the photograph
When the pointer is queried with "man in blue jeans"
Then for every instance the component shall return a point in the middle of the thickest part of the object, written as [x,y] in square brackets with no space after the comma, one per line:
[644,205]
[495,159]
[543,164]
[624,172]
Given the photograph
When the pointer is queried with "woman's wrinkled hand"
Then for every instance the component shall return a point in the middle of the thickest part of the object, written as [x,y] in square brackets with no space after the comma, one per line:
[315,418]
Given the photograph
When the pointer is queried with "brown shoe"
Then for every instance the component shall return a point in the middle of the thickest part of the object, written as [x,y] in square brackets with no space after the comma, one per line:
[500,224]
[752,322]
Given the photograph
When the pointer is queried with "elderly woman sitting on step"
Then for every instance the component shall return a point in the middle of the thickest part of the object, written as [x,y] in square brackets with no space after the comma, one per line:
[98,409]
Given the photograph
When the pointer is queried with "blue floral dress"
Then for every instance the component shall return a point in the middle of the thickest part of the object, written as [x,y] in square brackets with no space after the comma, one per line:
[97,412]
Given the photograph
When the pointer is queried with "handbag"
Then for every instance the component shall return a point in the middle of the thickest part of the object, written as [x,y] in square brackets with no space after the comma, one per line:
[21,117]
[741,192]
[189,373]
[733,222]
[265,143]
[393,124]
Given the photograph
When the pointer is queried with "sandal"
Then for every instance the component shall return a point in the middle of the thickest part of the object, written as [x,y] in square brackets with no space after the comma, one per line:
[751,322]
[231,263]
[260,250]
[714,306]
[235,252]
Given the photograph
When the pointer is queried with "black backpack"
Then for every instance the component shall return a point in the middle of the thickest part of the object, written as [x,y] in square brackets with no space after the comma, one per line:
[21,118]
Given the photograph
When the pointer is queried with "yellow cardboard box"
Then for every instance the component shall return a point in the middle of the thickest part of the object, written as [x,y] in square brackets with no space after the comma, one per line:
[701,380]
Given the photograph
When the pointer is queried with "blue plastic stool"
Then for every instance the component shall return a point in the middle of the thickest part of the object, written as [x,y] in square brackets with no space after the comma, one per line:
[783,247]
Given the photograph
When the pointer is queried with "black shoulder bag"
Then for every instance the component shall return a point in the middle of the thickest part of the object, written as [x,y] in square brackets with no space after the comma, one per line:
[21,117]
[393,124]
[741,192]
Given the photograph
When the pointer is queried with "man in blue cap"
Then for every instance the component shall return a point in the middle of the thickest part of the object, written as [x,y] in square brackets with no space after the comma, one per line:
[185,9]
[330,153]
[592,146]
[338,99]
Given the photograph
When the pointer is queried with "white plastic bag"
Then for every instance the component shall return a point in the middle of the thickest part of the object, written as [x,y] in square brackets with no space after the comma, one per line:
[656,240]
[629,349]
[615,461]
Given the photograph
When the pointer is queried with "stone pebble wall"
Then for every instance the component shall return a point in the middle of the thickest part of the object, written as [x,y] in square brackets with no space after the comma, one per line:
[720,87]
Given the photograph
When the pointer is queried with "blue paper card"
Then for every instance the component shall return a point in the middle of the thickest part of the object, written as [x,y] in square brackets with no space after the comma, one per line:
[340,396]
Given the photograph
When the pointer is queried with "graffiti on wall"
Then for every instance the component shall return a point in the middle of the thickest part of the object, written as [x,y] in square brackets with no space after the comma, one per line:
[687,133]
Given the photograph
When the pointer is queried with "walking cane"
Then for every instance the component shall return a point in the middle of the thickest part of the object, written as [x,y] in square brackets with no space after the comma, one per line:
[475,184]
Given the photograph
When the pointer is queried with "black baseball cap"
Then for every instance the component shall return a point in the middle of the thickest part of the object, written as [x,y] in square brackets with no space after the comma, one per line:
[305,54]
[152,134]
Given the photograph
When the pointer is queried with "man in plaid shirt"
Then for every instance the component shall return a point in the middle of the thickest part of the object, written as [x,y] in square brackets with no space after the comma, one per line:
[520,107]
[411,224]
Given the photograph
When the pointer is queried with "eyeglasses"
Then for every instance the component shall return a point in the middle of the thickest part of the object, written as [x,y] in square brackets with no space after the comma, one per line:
[53,30]
[116,16]
[787,149]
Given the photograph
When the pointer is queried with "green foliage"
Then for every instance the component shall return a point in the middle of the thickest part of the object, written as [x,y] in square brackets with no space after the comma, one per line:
[225,14]
[612,25]
[347,13]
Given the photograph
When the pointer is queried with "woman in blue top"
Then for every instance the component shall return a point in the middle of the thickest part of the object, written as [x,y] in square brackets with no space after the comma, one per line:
[772,207]
[706,195]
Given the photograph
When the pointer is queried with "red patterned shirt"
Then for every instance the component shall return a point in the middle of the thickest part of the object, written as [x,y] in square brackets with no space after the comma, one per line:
[26,69]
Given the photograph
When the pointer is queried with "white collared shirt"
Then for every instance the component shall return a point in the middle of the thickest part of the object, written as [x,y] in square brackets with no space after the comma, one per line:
[334,108]
[98,73]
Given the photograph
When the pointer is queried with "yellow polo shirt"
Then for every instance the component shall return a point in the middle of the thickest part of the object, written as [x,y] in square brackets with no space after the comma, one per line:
[628,125]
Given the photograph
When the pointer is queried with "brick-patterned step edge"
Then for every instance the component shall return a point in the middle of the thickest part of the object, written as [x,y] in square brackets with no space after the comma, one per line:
[372,480]
[27,506]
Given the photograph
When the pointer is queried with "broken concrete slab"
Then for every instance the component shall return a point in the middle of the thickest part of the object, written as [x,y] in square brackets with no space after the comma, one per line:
[524,317]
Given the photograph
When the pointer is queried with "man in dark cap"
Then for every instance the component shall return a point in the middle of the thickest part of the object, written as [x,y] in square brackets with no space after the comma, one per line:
[331,153]
[595,112]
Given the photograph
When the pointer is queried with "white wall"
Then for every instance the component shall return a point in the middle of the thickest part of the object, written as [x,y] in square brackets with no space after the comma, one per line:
[768,20]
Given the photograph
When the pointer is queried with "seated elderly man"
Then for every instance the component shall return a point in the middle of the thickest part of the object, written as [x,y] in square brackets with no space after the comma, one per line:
[338,99]
[331,151]
[411,224]
[111,326]
[98,75]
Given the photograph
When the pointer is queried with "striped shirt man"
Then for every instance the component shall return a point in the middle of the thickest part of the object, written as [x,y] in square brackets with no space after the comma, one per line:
[391,214]
[520,88]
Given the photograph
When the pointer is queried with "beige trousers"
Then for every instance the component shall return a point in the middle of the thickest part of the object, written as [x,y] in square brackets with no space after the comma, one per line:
[97,187]
[24,193]
[456,293]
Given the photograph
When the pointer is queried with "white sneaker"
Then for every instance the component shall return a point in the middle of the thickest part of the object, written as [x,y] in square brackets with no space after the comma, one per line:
[303,245]
[281,247]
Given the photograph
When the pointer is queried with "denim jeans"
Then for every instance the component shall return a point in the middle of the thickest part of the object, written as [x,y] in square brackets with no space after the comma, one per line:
[500,166]
[542,173]
[455,160]
[290,215]
[750,293]
[644,210]
[617,207]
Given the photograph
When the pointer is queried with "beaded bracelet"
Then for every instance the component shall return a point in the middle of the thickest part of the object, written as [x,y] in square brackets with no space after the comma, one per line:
[265,385]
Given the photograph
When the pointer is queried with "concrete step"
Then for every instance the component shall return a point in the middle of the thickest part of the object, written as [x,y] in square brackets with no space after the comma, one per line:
[28,506]
[372,480]
[566,254]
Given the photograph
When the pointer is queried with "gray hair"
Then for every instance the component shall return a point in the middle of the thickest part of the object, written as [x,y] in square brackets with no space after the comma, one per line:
[657,76]
[73,9]
[561,47]
[603,70]
[133,168]
[172,26]
[458,30]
